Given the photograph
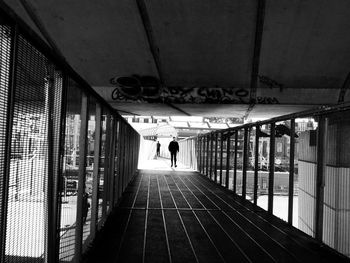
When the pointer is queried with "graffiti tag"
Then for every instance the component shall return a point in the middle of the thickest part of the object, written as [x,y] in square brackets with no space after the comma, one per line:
[148,89]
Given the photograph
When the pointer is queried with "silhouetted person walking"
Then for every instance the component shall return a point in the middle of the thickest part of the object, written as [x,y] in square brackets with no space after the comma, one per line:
[158,148]
[173,148]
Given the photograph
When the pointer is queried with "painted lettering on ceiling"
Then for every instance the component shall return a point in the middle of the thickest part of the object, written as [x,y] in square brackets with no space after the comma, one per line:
[148,89]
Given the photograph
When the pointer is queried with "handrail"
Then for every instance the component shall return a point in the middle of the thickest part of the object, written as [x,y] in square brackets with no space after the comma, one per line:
[307,113]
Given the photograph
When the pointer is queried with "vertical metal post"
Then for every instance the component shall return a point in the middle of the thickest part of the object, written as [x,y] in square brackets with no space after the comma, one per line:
[116,160]
[194,154]
[291,171]
[7,153]
[320,176]
[120,142]
[216,158]
[228,159]
[129,158]
[203,154]
[207,156]
[134,152]
[126,158]
[245,162]
[187,159]
[49,176]
[121,158]
[112,163]
[235,163]
[59,170]
[199,147]
[211,154]
[125,170]
[221,154]
[106,167]
[81,177]
[128,149]
[54,107]
[271,169]
[133,155]
[256,166]
[96,175]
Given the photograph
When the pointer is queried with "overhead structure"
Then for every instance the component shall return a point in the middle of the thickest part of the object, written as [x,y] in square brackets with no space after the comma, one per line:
[253,58]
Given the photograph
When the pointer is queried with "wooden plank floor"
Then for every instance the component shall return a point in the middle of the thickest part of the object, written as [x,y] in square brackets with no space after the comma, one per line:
[167,216]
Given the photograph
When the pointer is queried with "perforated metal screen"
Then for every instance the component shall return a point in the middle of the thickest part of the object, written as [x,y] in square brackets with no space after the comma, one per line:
[5,48]
[26,207]
[69,176]
[101,200]
[47,152]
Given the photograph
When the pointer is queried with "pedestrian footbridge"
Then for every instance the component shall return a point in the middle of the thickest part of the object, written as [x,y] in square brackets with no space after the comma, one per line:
[181,216]
[273,190]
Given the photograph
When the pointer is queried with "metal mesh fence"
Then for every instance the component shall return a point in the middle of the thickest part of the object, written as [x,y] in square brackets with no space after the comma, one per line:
[69,180]
[102,165]
[26,208]
[5,52]
[47,152]
[89,188]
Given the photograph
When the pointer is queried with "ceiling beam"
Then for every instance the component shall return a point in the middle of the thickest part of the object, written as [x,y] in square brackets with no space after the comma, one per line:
[259,28]
[150,37]
[153,46]
[40,25]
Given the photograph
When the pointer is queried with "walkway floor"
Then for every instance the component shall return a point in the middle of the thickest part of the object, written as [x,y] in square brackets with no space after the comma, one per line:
[172,216]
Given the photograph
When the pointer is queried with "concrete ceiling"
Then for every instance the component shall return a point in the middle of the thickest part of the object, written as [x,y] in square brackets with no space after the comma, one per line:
[230,58]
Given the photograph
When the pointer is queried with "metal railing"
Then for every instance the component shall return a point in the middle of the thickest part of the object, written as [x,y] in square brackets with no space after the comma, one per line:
[66,156]
[296,167]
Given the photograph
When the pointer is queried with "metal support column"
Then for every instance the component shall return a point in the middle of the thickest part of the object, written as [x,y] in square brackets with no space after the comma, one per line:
[235,163]
[121,159]
[203,154]
[320,175]
[271,168]
[116,160]
[54,108]
[199,154]
[256,166]
[96,176]
[106,171]
[228,160]
[59,170]
[207,156]
[221,154]
[112,164]
[216,158]
[291,172]
[81,177]
[245,162]
[211,155]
